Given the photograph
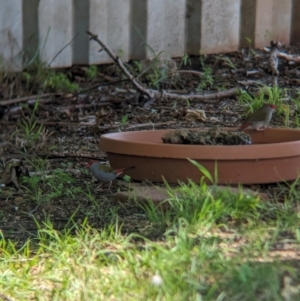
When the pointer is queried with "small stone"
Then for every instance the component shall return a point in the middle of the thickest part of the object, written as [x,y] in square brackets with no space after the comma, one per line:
[157,280]
[142,194]
[157,195]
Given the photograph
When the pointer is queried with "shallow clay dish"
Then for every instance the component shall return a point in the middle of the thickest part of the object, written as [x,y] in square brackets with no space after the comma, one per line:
[274,156]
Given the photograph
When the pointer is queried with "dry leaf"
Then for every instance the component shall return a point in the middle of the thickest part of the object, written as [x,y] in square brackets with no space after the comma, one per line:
[289,292]
[214,119]
[8,175]
[193,115]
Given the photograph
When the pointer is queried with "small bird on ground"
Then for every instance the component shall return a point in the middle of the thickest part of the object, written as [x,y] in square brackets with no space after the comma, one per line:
[105,173]
[259,119]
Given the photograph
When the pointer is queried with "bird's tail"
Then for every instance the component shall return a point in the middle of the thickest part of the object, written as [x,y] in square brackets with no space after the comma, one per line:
[244,126]
[121,170]
[131,167]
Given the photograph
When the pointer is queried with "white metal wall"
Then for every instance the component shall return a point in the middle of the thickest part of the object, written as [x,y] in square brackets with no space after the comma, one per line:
[131,27]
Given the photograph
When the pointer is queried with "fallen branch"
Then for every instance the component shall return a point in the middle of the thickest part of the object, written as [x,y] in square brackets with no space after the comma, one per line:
[120,64]
[287,57]
[230,113]
[197,97]
[75,124]
[190,72]
[154,93]
[18,109]
[252,72]
[27,98]
[273,59]
[90,105]
[250,83]
[48,156]
[144,125]
[108,78]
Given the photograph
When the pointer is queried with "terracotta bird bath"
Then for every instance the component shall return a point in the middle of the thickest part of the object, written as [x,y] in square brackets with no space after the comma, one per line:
[274,156]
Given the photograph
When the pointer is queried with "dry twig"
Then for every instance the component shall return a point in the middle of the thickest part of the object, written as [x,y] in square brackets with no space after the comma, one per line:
[198,97]
[197,73]
[154,93]
[27,98]
[287,57]
[250,83]
[49,156]
[144,125]
[120,64]
[273,61]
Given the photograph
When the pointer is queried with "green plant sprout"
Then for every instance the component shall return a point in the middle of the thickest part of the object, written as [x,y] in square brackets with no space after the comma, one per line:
[229,62]
[41,188]
[91,72]
[265,94]
[206,80]
[31,129]
[250,49]
[137,66]
[124,120]
[186,61]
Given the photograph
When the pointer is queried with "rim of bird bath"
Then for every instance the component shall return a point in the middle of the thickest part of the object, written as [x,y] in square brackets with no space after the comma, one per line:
[273,156]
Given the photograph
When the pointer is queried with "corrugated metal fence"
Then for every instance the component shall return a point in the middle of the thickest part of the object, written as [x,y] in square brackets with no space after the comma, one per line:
[135,28]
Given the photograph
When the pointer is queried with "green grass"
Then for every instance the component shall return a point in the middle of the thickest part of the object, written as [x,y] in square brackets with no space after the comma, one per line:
[42,189]
[207,79]
[266,94]
[209,245]
[91,72]
[38,78]
[30,134]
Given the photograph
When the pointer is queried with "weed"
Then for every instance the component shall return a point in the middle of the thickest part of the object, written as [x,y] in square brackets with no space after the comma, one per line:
[250,49]
[229,62]
[265,95]
[297,120]
[127,178]
[31,129]
[30,134]
[185,61]
[38,77]
[156,77]
[137,66]
[157,70]
[91,72]
[120,52]
[124,120]
[207,80]
[59,82]
[44,188]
